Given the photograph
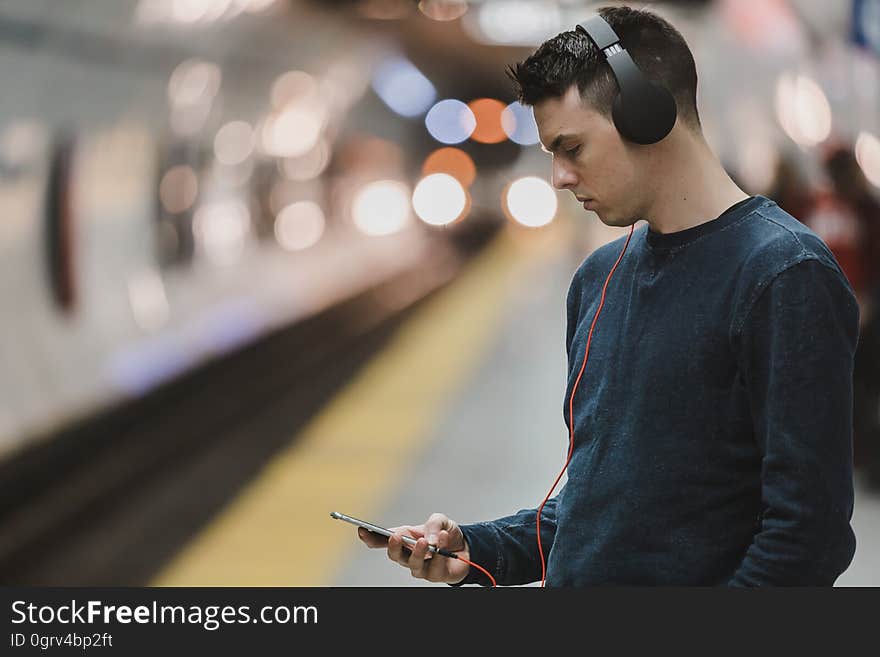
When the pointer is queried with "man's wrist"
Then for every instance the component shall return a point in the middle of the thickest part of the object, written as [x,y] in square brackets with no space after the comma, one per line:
[466,554]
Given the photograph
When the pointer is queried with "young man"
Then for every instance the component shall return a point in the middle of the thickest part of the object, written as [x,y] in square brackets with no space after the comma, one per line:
[712,430]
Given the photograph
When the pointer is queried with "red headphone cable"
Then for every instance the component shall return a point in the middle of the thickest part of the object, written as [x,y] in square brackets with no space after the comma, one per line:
[452,555]
[571,407]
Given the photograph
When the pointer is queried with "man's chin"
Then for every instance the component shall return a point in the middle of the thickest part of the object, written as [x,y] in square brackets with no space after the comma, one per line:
[614,221]
[606,219]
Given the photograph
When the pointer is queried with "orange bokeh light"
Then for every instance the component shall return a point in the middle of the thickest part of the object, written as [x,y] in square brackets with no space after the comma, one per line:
[453,161]
[488,111]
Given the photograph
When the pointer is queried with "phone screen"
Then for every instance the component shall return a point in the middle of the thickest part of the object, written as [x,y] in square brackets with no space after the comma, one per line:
[376,529]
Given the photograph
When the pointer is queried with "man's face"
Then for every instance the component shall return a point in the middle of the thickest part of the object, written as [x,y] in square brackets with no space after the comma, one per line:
[591,159]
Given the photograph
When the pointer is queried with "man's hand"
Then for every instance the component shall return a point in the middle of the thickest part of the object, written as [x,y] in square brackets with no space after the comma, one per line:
[438,530]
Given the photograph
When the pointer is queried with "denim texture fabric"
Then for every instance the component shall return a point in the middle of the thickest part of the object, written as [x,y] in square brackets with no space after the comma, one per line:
[713,422]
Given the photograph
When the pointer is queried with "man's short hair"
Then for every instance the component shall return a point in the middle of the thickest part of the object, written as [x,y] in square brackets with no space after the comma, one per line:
[570,58]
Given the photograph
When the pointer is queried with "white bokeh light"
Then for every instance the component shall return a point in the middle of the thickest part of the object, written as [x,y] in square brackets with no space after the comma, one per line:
[220,230]
[381,207]
[257,6]
[803,109]
[439,199]
[531,202]
[868,156]
[291,86]
[192,88]
[514,22]
[295,131]
[299,225]
[189,11]
[234,142]
[193,82]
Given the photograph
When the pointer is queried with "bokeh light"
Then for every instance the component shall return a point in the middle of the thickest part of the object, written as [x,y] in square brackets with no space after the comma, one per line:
[439,199]
[803,110]
[197,12]
[178,189]
[515,22]
[452,161]
[403,88]
[487,112]
[531,202]
[292,86]
[221,229]
[299,116]
[518,123]
[295,131]
[234,143]
[450,121]
[193,82]
[257,6]
[299,225]
[191,91]
[381,207]
[443,10]
[190,11]
[309,165]
[219,9]
[868,156]
[149,302]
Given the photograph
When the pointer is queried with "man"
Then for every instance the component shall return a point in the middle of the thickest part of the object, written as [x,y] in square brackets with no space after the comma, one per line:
[712,430]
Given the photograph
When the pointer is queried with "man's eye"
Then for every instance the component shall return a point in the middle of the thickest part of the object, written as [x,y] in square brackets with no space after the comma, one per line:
[572,152]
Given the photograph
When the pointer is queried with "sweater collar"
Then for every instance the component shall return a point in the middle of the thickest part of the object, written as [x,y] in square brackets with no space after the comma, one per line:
[665,241]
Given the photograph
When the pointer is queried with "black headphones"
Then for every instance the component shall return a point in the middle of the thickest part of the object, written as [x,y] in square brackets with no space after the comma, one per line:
[643,112]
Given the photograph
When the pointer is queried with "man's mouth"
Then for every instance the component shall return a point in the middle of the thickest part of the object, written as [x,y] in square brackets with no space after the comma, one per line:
[587,202]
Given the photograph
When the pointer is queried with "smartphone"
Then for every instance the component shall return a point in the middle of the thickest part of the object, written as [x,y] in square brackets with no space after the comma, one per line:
[376,529]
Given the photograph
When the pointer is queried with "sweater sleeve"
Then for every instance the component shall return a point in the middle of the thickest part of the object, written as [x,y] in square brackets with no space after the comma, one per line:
[798,343]
[508,547]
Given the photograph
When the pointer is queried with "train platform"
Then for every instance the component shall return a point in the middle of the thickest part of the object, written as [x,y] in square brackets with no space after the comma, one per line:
[460,413]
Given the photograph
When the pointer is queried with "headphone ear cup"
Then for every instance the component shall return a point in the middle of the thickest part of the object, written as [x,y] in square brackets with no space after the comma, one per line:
[620,119]
[646,115]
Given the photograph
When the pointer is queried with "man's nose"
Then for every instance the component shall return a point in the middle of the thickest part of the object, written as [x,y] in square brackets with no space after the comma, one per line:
[562,176]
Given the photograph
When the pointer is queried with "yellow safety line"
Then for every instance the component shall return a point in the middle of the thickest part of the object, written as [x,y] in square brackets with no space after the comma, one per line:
[278,532]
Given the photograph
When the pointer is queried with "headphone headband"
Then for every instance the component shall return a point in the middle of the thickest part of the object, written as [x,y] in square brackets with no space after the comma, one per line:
[643,112]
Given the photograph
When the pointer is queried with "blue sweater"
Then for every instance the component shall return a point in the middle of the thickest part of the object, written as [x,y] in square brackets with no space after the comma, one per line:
[713,422]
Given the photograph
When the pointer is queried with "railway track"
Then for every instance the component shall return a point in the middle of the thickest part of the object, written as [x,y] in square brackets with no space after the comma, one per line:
[108,501]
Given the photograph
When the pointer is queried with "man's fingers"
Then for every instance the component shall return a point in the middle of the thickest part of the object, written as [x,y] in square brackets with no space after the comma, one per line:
[418,563]
[372,540]
[436,523]
[437,568]
[395,551]
[398,551]
[423,563]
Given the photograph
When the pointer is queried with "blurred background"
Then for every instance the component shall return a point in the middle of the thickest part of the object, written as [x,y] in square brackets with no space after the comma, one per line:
[267,259]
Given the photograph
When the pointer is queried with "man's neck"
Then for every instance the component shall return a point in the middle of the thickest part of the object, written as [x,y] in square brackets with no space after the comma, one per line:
[694,188]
